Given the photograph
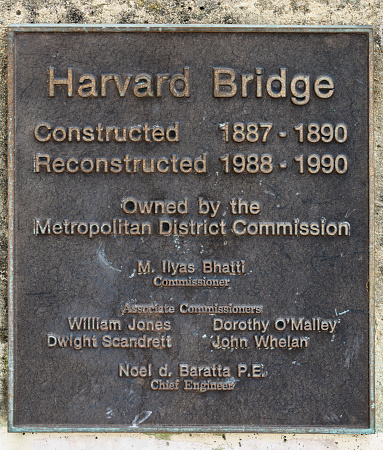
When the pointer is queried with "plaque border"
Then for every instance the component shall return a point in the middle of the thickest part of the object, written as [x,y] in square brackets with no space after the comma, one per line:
[180,28]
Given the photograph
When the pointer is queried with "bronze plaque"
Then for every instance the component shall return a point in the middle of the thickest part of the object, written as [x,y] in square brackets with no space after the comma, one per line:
[190,229]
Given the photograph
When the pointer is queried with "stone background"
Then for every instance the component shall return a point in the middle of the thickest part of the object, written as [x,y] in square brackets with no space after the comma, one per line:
[262,12]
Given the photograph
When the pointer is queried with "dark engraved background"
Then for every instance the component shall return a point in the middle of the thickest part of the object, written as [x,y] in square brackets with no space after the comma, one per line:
[58,276]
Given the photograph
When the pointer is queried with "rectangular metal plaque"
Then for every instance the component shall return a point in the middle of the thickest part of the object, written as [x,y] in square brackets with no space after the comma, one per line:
[190,229]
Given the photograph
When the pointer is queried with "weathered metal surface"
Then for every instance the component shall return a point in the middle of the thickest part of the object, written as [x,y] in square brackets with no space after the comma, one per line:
[222,178]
